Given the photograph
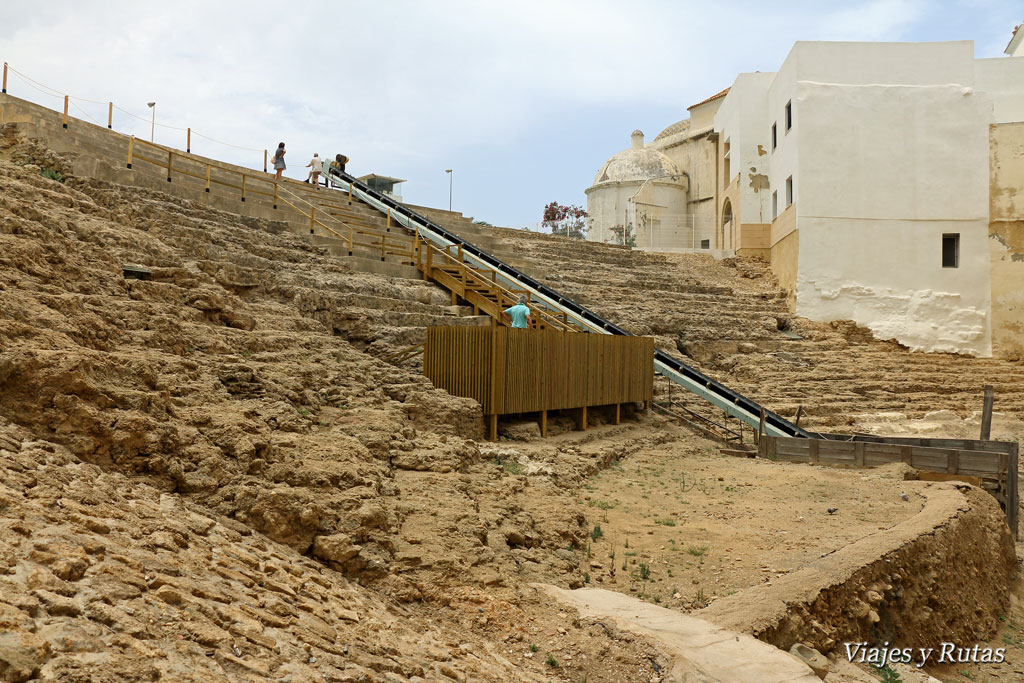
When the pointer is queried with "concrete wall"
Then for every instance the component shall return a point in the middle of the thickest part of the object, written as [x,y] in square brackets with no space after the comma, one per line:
[1003,80]
[695,155]
[884,172]
[784,257]
[1006,239]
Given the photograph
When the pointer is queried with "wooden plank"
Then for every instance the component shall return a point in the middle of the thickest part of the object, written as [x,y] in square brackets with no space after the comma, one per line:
[1012,499]
[858,454]
[945,476]
[986,412]
[812,451]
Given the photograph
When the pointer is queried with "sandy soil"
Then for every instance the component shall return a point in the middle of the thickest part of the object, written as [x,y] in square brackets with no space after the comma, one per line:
[706,524]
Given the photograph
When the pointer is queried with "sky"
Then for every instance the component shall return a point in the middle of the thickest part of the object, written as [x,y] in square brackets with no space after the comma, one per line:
[522,100]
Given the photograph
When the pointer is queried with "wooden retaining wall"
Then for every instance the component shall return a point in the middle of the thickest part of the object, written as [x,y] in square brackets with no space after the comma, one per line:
[993,463]
[523,371]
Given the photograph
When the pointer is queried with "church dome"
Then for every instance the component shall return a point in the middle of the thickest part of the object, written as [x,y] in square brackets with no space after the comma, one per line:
[638,163]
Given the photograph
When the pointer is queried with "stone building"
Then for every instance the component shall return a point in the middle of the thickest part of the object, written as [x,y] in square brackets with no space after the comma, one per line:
[884,182]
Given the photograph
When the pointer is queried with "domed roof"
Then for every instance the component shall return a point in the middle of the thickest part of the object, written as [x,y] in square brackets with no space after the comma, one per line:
[637,163]
[677,127]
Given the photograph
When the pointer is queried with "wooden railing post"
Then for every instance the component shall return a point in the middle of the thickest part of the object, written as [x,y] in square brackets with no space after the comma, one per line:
[265,164]
[188,140]
[312,219]
[986,413]
[243,187]
[131,148]
[110,115]
[383,244]
[350,193]
[351,238]
[430,257]
[275,195]
[66,111]
[207,178]
[170,162]
[389,220]
[5,78]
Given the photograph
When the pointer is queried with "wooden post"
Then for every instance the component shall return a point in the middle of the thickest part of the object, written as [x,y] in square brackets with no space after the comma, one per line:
[265,170]
[760,426]
[110,115]
[544,423]
[351,238]
[799,412]
[858,453]
[5,78]
[383,245]
[618,413]
[312,219]
[170,162]
[953,461]
[243,187]
[986,413]
[812,449]
[350,193]
[207,189]
[131,148]
[388,228]
[583,419]
[430,257]
[188,140]
[455,298]
[275,195]
[493,431]
[65,125]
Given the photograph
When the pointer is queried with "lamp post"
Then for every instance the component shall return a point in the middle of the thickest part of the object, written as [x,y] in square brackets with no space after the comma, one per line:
[450,176]
[152,125]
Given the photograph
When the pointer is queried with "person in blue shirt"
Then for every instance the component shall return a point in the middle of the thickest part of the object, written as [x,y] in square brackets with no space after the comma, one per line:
[518,315]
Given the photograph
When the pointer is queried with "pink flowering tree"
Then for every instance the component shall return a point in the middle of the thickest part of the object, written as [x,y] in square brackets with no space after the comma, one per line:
[569,220]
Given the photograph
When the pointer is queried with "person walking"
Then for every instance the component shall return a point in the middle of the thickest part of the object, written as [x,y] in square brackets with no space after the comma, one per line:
[279,164]
[315,167]
[518,315]
[336,167]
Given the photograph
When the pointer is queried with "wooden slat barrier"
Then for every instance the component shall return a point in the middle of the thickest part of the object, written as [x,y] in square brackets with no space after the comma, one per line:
[524,371]
[993,462]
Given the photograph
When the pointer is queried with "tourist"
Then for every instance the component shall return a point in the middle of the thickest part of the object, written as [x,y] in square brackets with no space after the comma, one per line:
[337,167]
[315,167]
[518,315]
[279,161]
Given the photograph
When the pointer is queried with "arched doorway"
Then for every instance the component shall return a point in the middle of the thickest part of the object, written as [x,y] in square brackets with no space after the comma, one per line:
[726,223]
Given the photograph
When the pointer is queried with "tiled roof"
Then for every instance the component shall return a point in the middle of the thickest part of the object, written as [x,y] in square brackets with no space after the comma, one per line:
[713,97]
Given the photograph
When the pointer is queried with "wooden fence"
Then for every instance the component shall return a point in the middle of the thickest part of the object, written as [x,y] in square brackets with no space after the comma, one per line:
[523,371]
[992,464]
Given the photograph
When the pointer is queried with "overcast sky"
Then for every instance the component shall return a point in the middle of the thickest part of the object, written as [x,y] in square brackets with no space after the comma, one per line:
[524,100]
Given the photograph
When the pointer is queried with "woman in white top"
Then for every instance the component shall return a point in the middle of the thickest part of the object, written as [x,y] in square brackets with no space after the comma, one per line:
[315,167]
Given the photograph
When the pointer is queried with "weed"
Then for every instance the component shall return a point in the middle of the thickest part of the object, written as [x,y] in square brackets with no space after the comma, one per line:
[303,412]
[551,661]
[190,349]
[665,521]
[627,541]
[630,553]
[509,465]
[657,599]
[601,504]
[52,174]
[888,675]
[586,577]
[699,600]
[596,532]
[645,571]
[246,353]
[590,488]
[697,550]
[533,647]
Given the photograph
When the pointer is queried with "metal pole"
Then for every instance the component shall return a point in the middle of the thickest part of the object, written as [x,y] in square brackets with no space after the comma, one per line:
[450,176]
[152,125]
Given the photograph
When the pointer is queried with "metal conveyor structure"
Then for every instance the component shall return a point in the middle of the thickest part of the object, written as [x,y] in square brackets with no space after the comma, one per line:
[691,379]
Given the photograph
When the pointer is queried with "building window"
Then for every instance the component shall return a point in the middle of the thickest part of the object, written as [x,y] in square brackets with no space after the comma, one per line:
[789,190]
[951,250]
[775,136]
[775,204]
[789,115]
[705,244]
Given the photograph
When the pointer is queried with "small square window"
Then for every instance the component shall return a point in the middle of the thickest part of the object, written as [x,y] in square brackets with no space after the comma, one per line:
[789,115]
[705,244]
[775,204]
[789,190]
[951,250]
[775,136]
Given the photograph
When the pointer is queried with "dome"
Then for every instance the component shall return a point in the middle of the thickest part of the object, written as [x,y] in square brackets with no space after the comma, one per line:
[677,127]
[638,163]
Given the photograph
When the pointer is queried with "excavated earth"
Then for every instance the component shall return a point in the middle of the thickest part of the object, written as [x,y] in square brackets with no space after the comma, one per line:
[210,475]
[202,478]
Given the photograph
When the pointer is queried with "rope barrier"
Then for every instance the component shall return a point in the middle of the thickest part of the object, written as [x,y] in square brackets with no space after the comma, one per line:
[53,92]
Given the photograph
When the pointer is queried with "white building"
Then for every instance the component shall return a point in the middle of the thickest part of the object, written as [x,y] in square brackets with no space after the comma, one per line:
[885,184]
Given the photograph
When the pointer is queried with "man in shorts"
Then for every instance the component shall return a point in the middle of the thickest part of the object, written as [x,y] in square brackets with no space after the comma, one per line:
[519,315]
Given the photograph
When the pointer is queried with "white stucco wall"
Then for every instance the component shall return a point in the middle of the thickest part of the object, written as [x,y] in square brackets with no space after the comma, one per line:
[1003,79]
[884,171]
[742,119]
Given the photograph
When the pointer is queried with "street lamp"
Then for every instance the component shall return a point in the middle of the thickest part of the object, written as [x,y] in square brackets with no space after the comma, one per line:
[450,176]
[152,125]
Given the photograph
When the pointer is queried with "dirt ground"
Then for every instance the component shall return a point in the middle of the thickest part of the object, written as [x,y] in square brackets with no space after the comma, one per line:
[683,524]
